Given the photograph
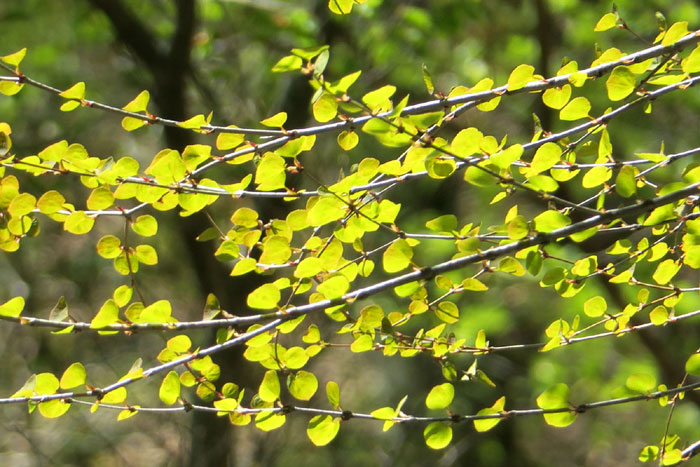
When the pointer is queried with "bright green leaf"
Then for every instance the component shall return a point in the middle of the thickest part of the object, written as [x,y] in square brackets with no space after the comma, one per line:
[170,388]
[440,396]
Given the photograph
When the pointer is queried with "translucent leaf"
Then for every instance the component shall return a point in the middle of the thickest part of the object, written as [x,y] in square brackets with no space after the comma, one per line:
[325,108]
[640,382]
[556,397]
[12,308]
[269,390]
[437,435]
[660,214]
[117,396]
[179,344]
[348,139]
[691,64]
[550,220]
[108,314]
[397,257]
[226,140]
[440,396]
[626,182]
[665,271]
[295,357]
[288,63]
[138,103]
[447,312]
[362,343]
[78,223]
[473,284]
[54,408]
[467,142]
[302,385]
[10,88]
[276,250]
[608,21]
[385,413]
[100,198]
[16,58]
[488,423]
[264,297]
[77,91]
[620,83]
[692,365]
[659,315]
[268,421]
[334,287]
[511,266]
[595,306]
[309,52]
[446,223]
[576,109]
[518,228]
[546,156]
[243,266]
[146,254]
[131,123]
[341,7]
[504,159]
[128,413]
[193,123]
[556,98]
[22,205]
[169,390]
[520,76]
[333,394]
[145,225]
[378,100]
[675,32]
[73,376]
[50,202]
[122,295]
[596,177]
[226,406]
[649,453]
[322,429]
[276,121]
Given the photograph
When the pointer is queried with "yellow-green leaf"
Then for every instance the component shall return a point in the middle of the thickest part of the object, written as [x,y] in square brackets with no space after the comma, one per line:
[620,83]
[77,91]
[108,314]
[325,108]
[322,429]
[302,385]
[692,365]
[397,257]
[276,121]
[546,156]
[608,21]
[12,308]
[78,223]
[264,297]
[556,98]
[675,32]
[437,435]
[440,396]
[169,390]
[16,58]
[520,76]
[269,389]
[576,109]
[138,103]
